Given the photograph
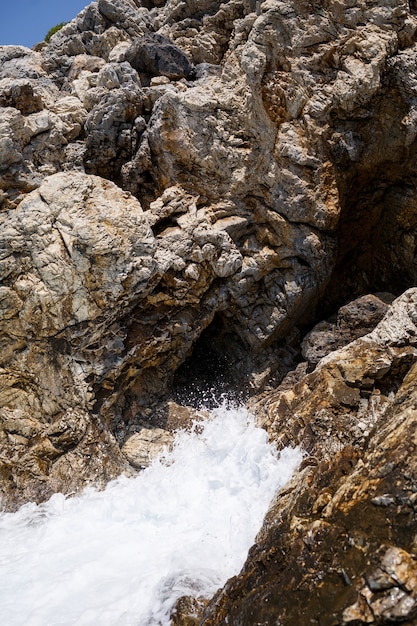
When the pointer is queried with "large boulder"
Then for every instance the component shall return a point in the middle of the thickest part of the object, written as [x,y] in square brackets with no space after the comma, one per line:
[74,257]
[156,55]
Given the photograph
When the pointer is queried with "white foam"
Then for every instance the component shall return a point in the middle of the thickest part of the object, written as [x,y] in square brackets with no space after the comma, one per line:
[123,556]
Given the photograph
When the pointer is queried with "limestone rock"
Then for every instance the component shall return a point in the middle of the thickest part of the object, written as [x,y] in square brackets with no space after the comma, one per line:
[141,448]
[72,115]
[78,234]
[270,175]
[126,15]
[260,142]
[338,543]
[111,133]
[353,320]
[340,402]
[68,240]
[12,138]
[156,55]
[20,95]
[203,30]
[18,62]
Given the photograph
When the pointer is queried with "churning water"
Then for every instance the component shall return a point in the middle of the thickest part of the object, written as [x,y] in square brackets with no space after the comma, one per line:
[123,556]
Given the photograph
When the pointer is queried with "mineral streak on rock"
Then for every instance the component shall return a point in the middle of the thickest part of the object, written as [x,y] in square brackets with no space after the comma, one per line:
[208,180]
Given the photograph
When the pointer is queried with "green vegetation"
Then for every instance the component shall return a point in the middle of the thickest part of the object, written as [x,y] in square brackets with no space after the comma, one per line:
[54,30]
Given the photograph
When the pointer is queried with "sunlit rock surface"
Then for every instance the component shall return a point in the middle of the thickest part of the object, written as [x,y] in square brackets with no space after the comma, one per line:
[338,544]
[186,190]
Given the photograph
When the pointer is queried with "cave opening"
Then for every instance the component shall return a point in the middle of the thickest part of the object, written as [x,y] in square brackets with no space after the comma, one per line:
[376,235]
[213,372]
[376,241]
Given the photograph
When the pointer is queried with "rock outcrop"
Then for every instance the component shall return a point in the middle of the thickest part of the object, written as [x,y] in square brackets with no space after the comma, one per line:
[185,190]
[338,544]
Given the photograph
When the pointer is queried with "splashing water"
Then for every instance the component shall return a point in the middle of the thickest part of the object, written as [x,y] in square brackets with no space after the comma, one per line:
[124,555]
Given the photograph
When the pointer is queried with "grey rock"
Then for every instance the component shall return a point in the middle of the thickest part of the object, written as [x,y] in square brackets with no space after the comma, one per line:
[111,132]
[132,19]
[154,55]
[204,70]
[18,62]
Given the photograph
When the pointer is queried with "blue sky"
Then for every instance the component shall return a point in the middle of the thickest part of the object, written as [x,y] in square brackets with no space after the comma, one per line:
[25,22]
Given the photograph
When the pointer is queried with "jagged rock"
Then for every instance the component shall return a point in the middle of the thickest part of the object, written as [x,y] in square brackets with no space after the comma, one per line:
[238,139]
[277,179]
[187,611]
[353,320]
[111,131]
[10,146]
[18,62]
[77,235]
[389,593]
[72,115]
[126,15]
[203,30]
[20,95]
[338,543]
[349,389]
[156,55]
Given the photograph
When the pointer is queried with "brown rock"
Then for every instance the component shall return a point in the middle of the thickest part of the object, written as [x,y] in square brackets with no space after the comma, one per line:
[187,611]
[353,320]
[143,447]
[277,177]
[68,239]
[338,544]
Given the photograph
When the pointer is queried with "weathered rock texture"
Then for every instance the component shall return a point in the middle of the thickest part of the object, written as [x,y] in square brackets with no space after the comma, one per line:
[202,178]
[184,188]
[352,321]
[338,545]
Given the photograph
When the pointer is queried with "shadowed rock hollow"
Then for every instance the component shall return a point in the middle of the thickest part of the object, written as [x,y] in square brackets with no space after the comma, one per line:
[185,190]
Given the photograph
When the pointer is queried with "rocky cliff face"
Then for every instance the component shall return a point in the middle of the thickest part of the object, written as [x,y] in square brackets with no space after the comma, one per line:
[338,544]
[185,189]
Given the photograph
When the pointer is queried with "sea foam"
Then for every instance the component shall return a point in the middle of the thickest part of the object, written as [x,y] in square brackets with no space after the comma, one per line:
[123,556]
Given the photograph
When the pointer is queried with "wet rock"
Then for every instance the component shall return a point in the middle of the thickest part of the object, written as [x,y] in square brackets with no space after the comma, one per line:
[325,552]
[187,611]
[389,592]
[146,445]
